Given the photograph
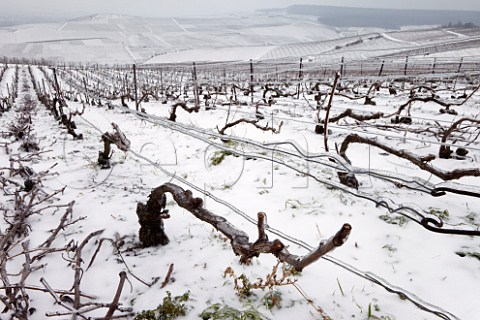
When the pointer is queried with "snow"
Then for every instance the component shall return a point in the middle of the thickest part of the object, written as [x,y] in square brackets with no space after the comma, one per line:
[136,40]
[405,255]
[294,183]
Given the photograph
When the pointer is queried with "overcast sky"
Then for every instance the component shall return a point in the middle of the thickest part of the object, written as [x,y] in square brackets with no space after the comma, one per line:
[165,8]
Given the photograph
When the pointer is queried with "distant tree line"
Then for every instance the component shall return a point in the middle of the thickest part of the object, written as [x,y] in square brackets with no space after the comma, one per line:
[465,25]
[26,61]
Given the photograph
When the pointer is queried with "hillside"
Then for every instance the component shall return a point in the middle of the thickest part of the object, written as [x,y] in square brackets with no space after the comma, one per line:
[114,39]
[125,39]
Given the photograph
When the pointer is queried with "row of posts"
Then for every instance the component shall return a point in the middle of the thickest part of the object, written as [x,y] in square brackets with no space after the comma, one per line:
[300,77]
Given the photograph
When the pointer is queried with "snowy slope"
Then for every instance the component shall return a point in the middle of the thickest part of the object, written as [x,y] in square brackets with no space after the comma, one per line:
[389,249]
[124,39]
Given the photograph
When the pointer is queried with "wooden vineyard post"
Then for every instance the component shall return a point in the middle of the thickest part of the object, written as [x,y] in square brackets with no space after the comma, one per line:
[161,83]
[57,86]
[135,86]
[434,65]
[300,76]
[251,80]
[225,79]
[86,88]
[406,66]
[195,87]
[460,65]
[381,68]
[342,67]
[126,90]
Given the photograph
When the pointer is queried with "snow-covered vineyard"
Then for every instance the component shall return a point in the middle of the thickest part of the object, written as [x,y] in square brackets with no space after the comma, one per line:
[380,162]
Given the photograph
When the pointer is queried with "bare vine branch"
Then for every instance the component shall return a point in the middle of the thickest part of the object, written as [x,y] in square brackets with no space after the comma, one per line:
[183,105]
[329,106]
[116,298]
[421,162]
[239,239]
[61,226]
[253,122]
[434,99]
[360,117]
[445,151]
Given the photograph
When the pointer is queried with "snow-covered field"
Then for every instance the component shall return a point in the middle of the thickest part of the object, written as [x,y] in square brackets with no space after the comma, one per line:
[114,39]
[287,175]
[391,267]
